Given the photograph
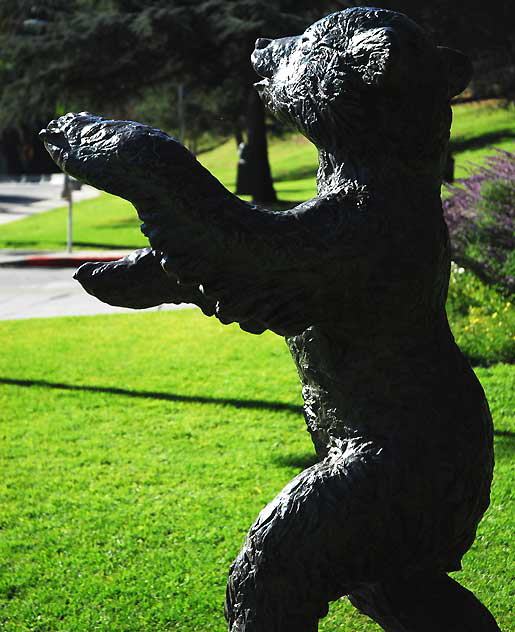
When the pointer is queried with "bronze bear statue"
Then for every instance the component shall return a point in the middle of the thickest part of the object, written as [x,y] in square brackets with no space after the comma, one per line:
[356,280]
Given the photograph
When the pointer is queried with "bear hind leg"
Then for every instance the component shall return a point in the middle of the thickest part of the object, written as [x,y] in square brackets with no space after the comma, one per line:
[426,603]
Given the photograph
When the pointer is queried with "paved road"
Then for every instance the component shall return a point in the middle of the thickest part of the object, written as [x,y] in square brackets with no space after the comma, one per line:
[22,199]
[45,292]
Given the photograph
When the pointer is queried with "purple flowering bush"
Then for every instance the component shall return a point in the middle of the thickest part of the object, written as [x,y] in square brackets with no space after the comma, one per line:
[480,213]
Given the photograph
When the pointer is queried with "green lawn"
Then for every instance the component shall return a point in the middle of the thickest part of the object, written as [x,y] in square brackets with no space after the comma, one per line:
[102,222]
[108,222]
[479,127]
[136,451]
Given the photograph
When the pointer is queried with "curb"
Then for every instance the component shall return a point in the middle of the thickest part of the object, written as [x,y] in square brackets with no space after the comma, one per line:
[56,260]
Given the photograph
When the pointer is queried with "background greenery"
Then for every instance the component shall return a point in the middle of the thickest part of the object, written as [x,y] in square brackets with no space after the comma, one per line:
[132,58]
[109,222]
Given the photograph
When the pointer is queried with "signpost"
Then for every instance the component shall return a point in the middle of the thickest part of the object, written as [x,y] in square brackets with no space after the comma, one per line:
[70,185]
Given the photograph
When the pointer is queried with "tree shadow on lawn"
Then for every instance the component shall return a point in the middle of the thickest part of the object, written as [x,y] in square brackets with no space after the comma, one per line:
[302,173]
[128,222]
[507,437]
[300,461]
[458,145]
[504,446]
[170,397]
[19,199]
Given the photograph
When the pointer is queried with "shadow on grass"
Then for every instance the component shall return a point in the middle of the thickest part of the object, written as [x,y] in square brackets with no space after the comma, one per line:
[129,222]
[504,445]
[23,243]
[169,397]
[300,461]
[458,145]
[297,174]
[19,199]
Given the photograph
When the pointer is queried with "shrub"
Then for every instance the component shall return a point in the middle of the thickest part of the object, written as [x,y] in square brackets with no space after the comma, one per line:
[482,319]
[480,213]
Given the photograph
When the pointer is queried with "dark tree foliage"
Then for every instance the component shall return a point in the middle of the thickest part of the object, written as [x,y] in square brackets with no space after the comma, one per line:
[106,56]
[117,57]
[87,53]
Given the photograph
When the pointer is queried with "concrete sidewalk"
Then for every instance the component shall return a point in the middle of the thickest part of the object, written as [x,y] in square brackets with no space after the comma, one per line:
[41,285]
[20,198]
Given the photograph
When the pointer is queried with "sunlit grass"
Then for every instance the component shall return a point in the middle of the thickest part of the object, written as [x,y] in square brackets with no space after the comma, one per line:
[98,223]
[137,450]
[477,129]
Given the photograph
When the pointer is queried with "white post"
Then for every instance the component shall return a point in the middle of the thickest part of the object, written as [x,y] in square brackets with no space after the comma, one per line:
[69,196]
[70,223]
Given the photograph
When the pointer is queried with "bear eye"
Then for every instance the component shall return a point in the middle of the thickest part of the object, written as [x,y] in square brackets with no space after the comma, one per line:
[305,49]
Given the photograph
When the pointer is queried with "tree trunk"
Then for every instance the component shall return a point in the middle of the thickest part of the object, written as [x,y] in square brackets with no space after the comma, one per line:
[261,185]
[238,135]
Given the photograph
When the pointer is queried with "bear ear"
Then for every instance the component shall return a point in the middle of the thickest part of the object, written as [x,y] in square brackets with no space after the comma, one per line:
[458,69]
[371,53]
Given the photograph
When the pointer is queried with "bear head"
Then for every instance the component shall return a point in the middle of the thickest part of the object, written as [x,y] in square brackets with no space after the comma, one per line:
[362,77]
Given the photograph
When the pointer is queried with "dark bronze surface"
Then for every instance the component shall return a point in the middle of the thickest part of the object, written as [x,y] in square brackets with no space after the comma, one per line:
[356,279]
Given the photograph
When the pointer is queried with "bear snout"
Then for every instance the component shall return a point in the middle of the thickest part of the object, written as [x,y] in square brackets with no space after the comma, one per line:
[262,42]
[269,53]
